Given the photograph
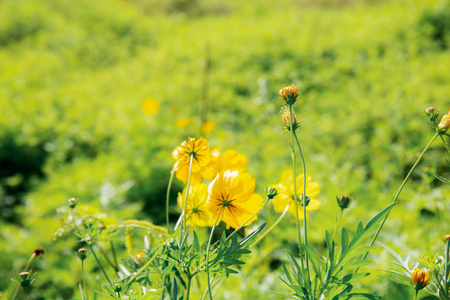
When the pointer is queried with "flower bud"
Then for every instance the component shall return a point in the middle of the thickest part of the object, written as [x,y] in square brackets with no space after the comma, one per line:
[308,199]
[72,202]
[286,118]
[289,94]
[420,278]
[271,192]
[431,113]
[447,237]
[82,253]
[118,288]
[444,125]
[38,252]
[25,279]
[344,202]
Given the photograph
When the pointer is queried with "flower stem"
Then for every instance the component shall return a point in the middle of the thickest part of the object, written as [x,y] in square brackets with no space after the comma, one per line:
[273,226]
[417,293]
[446,269]
[188,288]
[183,228]
[338,223]
[169,186]
[399,191]
[207,253]
[100,265]
[143,267]
[304,201]
[243,224]
[84,279]
[446,145]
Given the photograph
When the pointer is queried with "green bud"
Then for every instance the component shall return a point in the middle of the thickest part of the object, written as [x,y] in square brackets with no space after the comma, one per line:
[271,192]
[72,202]
[344,202]
[82,253]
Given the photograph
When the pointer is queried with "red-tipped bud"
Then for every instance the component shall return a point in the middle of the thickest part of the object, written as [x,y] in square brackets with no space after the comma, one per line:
[289,94]
[344,202]
[271,192]
[286,118]
[420,278]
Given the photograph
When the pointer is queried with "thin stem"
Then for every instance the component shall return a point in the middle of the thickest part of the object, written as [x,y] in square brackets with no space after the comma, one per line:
[25,293]
[84,279]
[243,224]
[27,267]
[417,293]
[16,292]
[446,145]
[446,270]
[183,228]
[206,290]
[109,260]
[207,253]
[338,223]
[273,225]
[304,200]
[114,256]
[144,267]
[99,264]
[399,191]
[188,288]
[169,186]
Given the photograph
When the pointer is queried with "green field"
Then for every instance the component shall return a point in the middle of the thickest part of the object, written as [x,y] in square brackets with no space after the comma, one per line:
[74,75]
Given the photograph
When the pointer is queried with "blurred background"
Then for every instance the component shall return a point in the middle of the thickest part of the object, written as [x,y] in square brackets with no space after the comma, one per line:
[95,95]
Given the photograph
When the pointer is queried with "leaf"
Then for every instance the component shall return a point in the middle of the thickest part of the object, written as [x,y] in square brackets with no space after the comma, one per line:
[362,296]
[316,261]
[397,257]
[287,273]
[231,271]
[196,242]
[231,261]
[168,269]
[128,240]
[249,237]
[354,276]
[344,241]
[443,179]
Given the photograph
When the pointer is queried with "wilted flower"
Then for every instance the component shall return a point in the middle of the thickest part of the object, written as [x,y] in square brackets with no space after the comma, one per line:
[289,94]
[197,212]
[201,158]
[444,125]
[420,278]
[229,160]
[231,194]
[285,195]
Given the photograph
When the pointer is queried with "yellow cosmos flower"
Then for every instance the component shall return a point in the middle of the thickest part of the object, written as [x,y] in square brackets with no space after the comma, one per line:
[197,211]
[208,126]
[200,164]
[183,123]
[286,194]
[231,194]
[230,160]
[150,106]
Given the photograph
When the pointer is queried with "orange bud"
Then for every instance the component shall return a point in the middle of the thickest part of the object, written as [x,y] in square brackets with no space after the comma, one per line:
[289,94]
[420,278]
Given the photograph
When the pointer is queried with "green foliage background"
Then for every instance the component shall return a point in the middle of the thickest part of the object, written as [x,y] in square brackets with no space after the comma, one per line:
[73,75]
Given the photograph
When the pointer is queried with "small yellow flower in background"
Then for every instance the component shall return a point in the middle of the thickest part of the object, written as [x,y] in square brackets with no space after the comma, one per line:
[232,193]
[139,257]
[183,123]
[150,106]
[420,278]
[229,160]
[200,163]
[444,125]
[197,212]
[208,126]
[286,194]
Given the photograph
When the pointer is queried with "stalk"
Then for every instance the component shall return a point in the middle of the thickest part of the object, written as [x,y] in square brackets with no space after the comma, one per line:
[84,279]
[399,191]
[207,253]
[273,225]
[183,228]
[169,186]
[338,223]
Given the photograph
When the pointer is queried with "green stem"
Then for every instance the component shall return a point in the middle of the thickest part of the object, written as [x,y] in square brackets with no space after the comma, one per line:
[446,145]
[207,253]
[273,225]
[25,293]
[446,270]
[183,228]
[113,249]
[188,288]
[338,223]
[398,193]
[84,279]
[169,186]
[257,212]
[304,201]
[143,267]
[417,293]
[16,292]
[100,265]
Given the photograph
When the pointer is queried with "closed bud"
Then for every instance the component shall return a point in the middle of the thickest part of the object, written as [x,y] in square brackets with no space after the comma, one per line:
[289,94]
[420,278]
[25,279]
[271,192]
[82,253]
[431,113]
[344,202]
[444,125]
[308,199]
[447,237]
[286,118]
[72,202]
[118,288]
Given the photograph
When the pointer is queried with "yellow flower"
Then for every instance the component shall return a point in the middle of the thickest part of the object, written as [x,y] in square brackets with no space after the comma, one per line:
[289,94]
[208,126]
[231,194]
[286,194]
[444,125]
[200,163]
[229,160]
[150,106]
[182,123]
[197,212]
[420,278]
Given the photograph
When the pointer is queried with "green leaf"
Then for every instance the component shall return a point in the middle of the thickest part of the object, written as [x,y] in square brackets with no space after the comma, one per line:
[196,242]
[362,296]
[344,241]
[231,271]
[288,274]
[443,179]
[354,276]
[231,261]
[168,269]
[249,237]
[316,261]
